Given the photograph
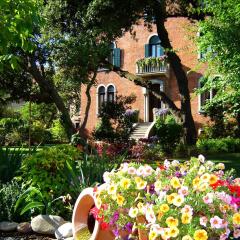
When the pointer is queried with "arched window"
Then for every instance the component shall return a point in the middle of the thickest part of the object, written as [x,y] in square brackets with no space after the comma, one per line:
[110,93]
[154,48]
[101,96]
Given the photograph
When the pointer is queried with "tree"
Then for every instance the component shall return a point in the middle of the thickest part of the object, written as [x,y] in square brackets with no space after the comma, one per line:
[74,40]
[220,41]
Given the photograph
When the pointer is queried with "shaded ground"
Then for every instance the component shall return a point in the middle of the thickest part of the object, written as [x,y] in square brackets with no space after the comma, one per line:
[23,236]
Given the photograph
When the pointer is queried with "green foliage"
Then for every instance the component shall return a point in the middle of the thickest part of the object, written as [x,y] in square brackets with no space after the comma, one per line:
[220,33]
[224,145]
[9,194]
[10,162]
[169,133]
[58,132]
[115,124]
[44,170]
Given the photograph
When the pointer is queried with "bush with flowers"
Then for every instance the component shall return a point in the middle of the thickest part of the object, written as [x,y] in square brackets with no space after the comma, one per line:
[195,199]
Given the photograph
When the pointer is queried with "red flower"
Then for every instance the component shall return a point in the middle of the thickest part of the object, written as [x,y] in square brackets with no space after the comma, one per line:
[104,226]
[234,190]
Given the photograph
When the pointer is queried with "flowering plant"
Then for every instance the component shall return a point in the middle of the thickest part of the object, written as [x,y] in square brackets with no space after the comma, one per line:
[190,200]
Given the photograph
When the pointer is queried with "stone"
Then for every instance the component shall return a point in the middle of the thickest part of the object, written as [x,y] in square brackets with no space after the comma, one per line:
[64,231]
[8,226]
[46,224]
[70,238]
[24,227]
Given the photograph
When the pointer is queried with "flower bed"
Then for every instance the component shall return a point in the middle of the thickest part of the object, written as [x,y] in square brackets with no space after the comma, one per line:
[190,200]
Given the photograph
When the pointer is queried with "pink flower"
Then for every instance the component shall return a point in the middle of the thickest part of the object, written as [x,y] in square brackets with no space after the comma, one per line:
[203,221]
[187,209]
[132,171]
[225,235]
[216,222]
[183,191]
[236,233]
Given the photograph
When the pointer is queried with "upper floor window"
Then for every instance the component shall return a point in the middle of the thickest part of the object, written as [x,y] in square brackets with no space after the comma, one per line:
[110,93]
[154,48]
[115,55]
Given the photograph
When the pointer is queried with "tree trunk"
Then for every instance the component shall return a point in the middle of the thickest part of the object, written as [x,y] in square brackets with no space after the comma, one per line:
[175,63]
[89,100]
[49,87]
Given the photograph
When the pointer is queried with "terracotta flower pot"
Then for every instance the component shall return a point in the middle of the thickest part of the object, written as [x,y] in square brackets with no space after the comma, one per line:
[80,218]
[142,234]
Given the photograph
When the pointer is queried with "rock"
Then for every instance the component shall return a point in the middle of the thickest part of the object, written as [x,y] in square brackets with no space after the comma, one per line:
[64,231]
[70,238]
[24,227]
[46,224]
[8,226]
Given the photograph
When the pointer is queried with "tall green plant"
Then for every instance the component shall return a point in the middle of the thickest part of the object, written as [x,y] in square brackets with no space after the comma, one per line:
[10,162]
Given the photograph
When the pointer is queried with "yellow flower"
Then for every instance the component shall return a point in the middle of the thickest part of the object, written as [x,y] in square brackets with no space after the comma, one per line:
[213,179]
[159,217]
[186,218]
[196,182]
[203,187]
[187,237]
[125,183]
[138,180]
[120,200]
[173,232]
[152,235]
[205,177]
[178,200]
[172,222]
[141,185]
[200,235]
[112,189]
[175,183]
[171,197]
[236,218]
[164,208]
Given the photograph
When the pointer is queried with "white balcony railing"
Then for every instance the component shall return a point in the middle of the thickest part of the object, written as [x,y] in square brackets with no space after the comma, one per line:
[150,69]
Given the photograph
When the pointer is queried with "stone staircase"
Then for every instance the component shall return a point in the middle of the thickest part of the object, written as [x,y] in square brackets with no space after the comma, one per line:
[141,130]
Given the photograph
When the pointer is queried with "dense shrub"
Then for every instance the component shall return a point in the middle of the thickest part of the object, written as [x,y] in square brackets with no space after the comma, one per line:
[9,194]
[169,133]
[45,169]
[224,145]
[117,120]
[58,132]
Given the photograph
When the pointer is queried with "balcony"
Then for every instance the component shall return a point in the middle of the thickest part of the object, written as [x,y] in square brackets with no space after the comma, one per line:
[152,66]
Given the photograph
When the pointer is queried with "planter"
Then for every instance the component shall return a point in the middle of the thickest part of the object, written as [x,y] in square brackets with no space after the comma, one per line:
[142,234]
[85,228]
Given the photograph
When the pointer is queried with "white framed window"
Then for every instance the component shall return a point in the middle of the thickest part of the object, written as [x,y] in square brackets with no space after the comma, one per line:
[204,97]
[110,93]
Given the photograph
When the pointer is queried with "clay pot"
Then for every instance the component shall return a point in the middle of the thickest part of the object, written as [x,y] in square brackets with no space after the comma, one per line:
[85,202]
[142,234]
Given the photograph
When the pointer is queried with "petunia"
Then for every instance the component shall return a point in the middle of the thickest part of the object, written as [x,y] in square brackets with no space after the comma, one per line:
[216,222]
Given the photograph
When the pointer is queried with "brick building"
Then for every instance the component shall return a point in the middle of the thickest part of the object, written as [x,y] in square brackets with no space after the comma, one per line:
[127,51]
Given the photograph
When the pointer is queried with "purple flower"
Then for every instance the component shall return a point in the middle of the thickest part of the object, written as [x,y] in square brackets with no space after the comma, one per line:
[128,227]
[115,232]
[178,174]
[114,218]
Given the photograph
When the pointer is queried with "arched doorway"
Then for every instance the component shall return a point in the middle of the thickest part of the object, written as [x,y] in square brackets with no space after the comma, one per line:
[157,86]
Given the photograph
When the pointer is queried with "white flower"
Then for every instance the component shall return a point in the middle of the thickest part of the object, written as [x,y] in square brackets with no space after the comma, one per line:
[140,171]
[147,171]
[183,191]
[132,171]
[166,164]
[209,164]
[133,212]
[150,215]
[106,177]
[162,195]
[124,167]
[157,186]
[201,158]
[175,163]
[187,209]
[201,170]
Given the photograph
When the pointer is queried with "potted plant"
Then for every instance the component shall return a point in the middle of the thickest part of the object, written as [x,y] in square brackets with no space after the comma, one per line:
[191,200]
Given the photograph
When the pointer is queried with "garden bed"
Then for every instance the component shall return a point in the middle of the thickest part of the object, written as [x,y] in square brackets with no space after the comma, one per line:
[23,236]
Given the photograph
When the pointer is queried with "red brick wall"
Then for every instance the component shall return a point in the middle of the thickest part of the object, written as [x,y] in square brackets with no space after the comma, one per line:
[180,33]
